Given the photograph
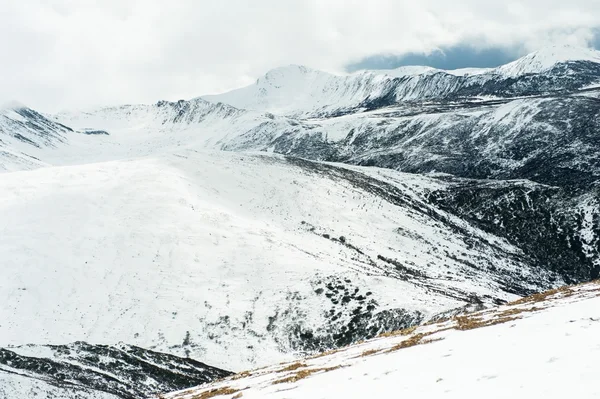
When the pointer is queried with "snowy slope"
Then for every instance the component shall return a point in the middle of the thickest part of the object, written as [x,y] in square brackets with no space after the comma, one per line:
[234,259]
[406,71]
[548,57]
[468,71]
[19,386]
[423,70]
[414,121]
[164,127]
[301,92]
[136,234]
[545,346]
[25,135]
[298,91]
[91,371]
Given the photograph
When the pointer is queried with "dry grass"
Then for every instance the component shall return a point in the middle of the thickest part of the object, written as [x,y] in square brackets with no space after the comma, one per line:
[417,339]
[241,375]
[370,352]
[472,321]
[216,392]
[293,367]
[406,331]
[542,296]
[566,291]
[441,320]
[303,374]
[326,353]
[464,323]
[516,311]
[476,320]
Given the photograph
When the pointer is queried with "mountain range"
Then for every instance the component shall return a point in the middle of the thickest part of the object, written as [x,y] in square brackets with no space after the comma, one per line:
[305,212]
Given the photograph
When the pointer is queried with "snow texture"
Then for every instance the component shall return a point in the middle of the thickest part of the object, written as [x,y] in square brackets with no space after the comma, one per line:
[545,346]
[131,224]
[237,251]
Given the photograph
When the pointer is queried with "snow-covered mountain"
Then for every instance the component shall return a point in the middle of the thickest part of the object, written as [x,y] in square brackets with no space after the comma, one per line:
[237,260]
[550,140]
[423,70]
[24,133]
[298,91]
[380,200]
[543,346]
[419,122]
[547,58]
[140,130]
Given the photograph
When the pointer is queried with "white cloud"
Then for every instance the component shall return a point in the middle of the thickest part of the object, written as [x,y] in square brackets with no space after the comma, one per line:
[78,53]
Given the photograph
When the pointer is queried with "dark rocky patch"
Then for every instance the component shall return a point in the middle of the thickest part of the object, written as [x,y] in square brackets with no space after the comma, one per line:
[128,372]
[543,221]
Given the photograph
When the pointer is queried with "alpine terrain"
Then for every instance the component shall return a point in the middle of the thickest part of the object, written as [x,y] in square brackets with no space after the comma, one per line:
[148,249]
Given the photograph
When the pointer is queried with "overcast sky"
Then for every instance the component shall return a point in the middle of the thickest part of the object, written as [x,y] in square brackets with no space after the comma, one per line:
[59,54]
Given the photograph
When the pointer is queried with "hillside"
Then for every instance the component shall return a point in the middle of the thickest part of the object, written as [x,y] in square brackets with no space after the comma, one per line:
[25,135]
[541,346]
[301,92]
[304,213]
[238,260]
[82,370]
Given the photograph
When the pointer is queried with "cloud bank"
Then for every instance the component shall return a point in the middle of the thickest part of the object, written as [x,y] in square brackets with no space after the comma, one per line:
[59,54]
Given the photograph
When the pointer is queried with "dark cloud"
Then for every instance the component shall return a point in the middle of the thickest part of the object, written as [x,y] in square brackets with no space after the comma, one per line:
[461,56]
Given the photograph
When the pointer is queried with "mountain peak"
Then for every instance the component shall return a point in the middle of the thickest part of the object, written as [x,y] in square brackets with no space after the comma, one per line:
[12,106]
[409,70]
[545,58]
[292,70]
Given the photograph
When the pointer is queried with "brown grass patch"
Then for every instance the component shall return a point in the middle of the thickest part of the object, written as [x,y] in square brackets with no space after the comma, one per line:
[441,320]
[326,353]
[516,311]
[303,374]
[542,296]
[464,323]
[567,291]
[417,339]
[293,367]
[241,375]
[404,332]
[238,396]
[216,392]
[368,353]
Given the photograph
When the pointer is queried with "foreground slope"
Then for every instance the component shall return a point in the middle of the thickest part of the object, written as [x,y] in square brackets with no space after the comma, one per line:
[237,260]
[542,346]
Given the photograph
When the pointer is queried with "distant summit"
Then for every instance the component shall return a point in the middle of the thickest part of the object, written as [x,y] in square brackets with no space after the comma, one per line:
[546,58]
